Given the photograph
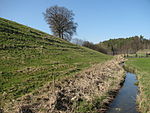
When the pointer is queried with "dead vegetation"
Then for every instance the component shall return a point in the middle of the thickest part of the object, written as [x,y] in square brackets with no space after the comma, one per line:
[67,94]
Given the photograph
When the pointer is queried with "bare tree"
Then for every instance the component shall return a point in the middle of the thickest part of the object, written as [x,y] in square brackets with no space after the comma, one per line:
[77,41]
[61,22]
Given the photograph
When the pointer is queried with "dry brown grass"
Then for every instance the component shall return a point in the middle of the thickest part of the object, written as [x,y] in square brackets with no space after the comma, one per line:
[66,95]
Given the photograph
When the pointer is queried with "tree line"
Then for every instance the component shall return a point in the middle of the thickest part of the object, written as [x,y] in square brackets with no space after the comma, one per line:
[125,45]
[117,46]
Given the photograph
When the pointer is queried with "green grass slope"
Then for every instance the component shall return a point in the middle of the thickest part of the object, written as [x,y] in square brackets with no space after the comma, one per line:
[29,58]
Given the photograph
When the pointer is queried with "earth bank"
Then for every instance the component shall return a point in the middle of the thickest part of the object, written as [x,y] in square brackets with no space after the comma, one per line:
[89,91]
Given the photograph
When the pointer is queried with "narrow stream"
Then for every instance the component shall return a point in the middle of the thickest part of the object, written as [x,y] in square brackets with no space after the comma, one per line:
[125,101]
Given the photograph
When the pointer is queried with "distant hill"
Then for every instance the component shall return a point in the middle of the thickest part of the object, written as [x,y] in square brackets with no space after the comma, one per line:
[29,58]
[125,45]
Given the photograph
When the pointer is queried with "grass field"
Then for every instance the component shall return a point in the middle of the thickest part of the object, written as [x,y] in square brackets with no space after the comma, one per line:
[142,69]
[143,51]
[29,58]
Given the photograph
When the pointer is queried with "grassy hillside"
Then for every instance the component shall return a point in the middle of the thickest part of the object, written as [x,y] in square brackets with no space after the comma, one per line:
[142,67]
[29,58]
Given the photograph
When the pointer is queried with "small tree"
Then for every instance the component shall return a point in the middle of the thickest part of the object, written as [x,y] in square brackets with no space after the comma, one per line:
[61,22]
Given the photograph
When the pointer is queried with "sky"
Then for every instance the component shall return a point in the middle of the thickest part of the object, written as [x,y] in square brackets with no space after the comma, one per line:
[98,20]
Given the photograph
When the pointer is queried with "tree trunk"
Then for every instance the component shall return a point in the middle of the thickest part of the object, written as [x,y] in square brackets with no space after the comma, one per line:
[59,33]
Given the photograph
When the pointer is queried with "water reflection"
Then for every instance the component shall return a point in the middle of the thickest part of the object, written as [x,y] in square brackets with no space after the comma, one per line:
[125,101]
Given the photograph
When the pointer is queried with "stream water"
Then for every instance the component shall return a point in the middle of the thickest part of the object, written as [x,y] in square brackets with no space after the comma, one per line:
[125,101]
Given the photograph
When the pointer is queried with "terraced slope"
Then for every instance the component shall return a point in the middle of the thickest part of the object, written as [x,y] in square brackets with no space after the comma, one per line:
[29,58]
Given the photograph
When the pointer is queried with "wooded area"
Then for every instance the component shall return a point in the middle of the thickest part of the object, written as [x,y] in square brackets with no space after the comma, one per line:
[121,45]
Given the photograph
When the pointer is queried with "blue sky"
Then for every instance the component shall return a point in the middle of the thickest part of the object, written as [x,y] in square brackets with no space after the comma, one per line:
[98,20]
